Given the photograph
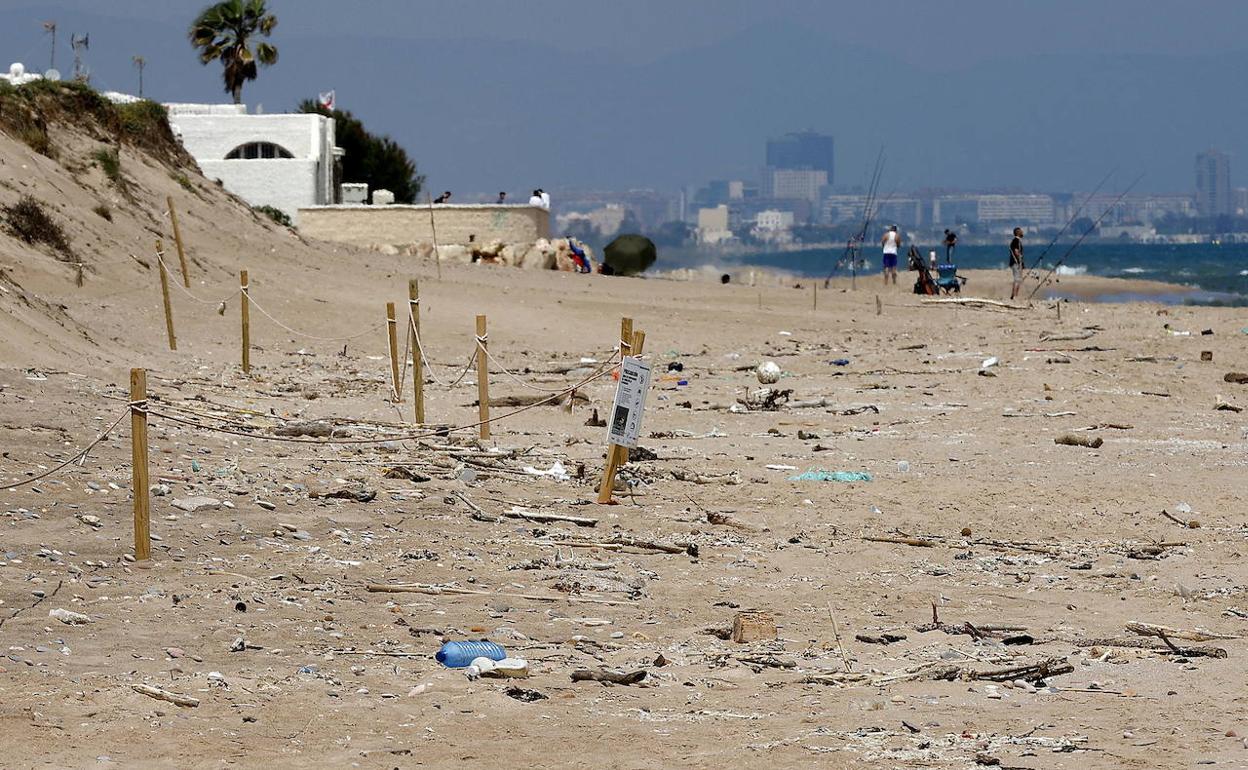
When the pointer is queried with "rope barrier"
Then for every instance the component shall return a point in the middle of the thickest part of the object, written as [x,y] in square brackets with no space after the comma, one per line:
[515,377]
[602,372]
[219,304]
[411,321]
[81,454]
[268,315]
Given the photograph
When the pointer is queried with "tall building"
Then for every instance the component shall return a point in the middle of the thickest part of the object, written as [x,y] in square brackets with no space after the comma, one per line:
[794,183]
[805,150]
[1213,183]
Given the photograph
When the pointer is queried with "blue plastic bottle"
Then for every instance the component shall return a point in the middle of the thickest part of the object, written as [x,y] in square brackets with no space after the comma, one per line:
[461,654]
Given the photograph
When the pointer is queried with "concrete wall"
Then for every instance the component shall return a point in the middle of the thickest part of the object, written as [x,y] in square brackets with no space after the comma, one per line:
[399,224]
[210,132]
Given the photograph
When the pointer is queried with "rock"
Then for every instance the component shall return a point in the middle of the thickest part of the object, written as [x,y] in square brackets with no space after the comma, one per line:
[69,618]
[302,535]
[197,503]
[175,652]
[238,645]
[90,521]
[159,490]
[266,505]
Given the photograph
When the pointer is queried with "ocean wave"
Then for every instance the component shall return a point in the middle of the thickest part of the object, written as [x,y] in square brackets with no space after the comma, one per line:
[1134,270]
[1072,270]
[1243,272]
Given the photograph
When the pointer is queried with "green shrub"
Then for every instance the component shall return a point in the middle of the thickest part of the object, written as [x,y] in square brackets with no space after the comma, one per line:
[110,164]
[185,181]
[28,220]
[276,214]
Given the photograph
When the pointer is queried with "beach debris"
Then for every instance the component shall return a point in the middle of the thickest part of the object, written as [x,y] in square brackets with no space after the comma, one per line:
[1165,632]
[312,429]
[1221,404]
[501,668]
[846,477]
[753,626]
[196,503]
[523,695]
[917,542]
[595,421]
[1206,355]
[768,373]
[69,617]
[989,362]
[357,493]
[884,638]
[556,471]
[1072,439]
[166,695]
[765,399]
[517,512]
[927,672]
[1087,333]
[732,478]
[1239,378]
[608,675]
[971,302]
[431,590]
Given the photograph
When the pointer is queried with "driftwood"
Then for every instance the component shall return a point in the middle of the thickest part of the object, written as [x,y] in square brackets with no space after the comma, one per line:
[478,512]
[914,541]
[1033,672]
[1053,337]
[972,301]
[725,520]
[416,588]
[533,399]
[1164,632]
[545,518]
[312,428]
[1153,646]
[165,695]
[1071,439]
[1239,378]
[649,545]
[612,676]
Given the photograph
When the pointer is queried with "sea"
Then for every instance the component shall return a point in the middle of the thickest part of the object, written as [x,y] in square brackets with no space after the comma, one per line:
[1210,274]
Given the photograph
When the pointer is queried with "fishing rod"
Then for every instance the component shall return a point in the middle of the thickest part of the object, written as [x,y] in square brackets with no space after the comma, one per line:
[1071,221]
[867,206]
[1086,233]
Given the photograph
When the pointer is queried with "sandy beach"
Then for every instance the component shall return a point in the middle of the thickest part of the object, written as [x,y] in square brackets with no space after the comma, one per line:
[978,546]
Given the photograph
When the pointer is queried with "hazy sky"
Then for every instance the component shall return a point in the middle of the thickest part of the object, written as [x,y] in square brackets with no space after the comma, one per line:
[488,95]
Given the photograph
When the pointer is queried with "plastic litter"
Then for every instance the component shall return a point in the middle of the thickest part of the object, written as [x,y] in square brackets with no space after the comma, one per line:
[840,362]
[462,654]
[903,466]
[768,373]
[842,476]
[556,472]
[507,668]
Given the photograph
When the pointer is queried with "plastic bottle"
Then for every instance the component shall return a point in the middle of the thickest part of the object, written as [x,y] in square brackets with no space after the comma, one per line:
[461,654]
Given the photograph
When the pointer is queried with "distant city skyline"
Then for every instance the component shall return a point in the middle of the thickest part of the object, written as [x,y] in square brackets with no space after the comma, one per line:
[972,95]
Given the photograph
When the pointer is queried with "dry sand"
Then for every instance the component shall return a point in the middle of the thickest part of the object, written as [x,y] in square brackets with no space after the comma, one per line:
[1063,540]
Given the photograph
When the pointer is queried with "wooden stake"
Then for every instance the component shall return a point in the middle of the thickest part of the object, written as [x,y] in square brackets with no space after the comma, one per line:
[138,457]
[245,306]
[392,331]
[483,378]
[164,291]
[433,230]
[177,239]
[618,455]
[814,302]
[418,365]
[879,306]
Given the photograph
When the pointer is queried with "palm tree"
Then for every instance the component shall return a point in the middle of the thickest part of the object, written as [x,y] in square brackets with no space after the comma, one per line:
[225,32]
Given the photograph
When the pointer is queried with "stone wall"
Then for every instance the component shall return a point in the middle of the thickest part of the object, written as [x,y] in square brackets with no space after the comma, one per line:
[399,224]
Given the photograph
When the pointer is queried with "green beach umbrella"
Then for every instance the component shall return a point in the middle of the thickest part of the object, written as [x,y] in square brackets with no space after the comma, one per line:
[630,254]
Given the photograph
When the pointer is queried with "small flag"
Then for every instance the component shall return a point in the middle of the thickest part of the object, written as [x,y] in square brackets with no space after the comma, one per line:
[327,100]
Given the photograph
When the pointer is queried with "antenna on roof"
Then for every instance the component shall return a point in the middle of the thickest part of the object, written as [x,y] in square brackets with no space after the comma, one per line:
[140,62]
[50,28]
[80,44]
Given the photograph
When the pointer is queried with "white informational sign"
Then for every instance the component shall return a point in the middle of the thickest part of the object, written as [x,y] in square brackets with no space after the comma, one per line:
[624,424]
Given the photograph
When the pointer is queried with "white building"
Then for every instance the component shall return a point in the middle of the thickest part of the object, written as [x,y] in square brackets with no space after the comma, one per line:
[773,226]
[792,183]
[282,160]
[713,225]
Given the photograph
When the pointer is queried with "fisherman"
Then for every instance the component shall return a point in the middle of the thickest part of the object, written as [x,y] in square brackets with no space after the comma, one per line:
[951,240]
[502,198]
[443,198]
[1016,262]
[891,242]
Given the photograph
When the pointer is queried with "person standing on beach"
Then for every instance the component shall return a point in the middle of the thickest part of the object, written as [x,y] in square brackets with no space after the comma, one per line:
[1016,262]
[951,241]
[502,198]
[891,242]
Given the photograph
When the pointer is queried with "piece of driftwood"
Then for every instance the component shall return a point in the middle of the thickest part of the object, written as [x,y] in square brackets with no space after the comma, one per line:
[917,542]
[972,301]
[1164,632]
[312,429]
[1032,672]
[1239,378]
[478,512]
[1153,645]
[1072,439]
[533,399]
[609,675]
[165,695]
[416,588]
[545,518]
[1054,337]
[635,542]
[725,520]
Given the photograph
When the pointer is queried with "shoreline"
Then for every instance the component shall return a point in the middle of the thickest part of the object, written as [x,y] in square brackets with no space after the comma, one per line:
[1080,287]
